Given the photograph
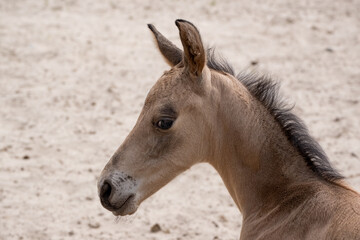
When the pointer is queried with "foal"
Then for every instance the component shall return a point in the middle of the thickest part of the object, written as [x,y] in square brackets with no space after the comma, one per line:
[198,111]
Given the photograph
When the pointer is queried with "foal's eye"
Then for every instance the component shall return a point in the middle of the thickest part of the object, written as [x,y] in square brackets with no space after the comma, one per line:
[164,124]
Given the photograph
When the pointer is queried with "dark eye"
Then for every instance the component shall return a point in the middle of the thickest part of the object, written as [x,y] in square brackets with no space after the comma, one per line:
[164,124]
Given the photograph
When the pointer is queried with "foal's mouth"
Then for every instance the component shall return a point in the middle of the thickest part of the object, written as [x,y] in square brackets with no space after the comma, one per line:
[118,209]
[122,210]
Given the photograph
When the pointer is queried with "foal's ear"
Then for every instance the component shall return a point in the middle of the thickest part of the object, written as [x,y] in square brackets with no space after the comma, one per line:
[194,53]
[171,53]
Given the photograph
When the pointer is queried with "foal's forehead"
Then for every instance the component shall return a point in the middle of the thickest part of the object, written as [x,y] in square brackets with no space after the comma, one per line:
[167,88]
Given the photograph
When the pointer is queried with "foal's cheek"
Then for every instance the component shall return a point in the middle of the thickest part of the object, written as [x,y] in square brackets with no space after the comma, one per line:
[161,145]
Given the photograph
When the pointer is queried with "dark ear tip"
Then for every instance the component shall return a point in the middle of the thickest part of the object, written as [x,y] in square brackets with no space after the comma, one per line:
[151,27]
[177,21]
[180,20]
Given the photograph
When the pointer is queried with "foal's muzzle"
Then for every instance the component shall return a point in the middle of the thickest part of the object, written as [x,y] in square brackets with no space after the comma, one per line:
[117,192]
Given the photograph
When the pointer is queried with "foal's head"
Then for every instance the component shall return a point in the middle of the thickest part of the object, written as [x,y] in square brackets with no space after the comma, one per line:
[171,131]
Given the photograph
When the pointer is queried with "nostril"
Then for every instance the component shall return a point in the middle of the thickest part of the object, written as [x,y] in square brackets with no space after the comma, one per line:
[105,191]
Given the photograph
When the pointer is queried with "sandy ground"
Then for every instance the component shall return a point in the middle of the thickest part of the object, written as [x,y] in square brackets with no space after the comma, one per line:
[73,78]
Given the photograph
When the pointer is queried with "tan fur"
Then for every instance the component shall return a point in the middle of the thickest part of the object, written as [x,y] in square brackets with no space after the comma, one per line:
[219,122]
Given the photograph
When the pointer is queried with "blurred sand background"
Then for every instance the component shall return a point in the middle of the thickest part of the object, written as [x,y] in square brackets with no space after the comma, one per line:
[73,78]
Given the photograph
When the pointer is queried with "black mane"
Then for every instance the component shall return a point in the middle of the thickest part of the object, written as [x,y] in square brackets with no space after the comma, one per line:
[266,91]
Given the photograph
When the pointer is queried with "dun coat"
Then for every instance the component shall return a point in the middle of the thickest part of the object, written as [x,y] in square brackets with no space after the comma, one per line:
[199,111]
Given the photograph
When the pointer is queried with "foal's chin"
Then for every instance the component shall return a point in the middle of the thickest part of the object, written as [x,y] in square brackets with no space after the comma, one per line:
[128,208]
[132,204]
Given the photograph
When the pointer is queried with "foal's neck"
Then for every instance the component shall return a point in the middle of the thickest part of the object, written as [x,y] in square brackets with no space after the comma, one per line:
[258,164]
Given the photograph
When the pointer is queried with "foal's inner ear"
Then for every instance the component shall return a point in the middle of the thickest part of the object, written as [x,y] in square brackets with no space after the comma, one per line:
[171,53]
[194,53]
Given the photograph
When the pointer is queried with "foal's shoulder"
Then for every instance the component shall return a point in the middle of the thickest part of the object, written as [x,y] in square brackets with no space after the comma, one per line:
[346,216]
